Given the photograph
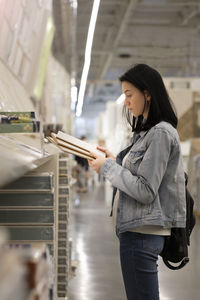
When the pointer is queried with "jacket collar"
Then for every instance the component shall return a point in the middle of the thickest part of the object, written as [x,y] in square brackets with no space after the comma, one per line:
[142,133]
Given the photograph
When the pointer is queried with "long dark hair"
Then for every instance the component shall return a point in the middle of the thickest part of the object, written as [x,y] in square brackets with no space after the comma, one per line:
[145,78]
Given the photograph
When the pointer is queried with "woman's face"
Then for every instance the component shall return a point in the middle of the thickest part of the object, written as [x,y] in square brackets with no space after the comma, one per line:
[135,99]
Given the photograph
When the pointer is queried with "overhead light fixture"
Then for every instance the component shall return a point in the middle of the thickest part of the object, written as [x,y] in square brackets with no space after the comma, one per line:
[120,99]
[88,50]
[74,94]
[73,97]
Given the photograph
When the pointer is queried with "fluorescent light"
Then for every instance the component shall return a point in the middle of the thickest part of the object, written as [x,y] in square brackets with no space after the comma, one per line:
[73,97]
[88,50]
[74,94]
[120,99]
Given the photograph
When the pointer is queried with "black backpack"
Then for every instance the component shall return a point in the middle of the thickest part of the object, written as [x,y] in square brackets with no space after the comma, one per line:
[176,245]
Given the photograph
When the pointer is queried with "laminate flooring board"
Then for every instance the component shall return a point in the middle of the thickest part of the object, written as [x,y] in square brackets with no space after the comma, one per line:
[26,200]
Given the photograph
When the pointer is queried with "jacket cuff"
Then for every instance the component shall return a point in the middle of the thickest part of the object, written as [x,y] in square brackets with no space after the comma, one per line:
[106,166]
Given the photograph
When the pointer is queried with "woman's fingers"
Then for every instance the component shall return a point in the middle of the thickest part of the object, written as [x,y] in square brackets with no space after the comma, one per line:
[96,163]
[103,149]
[93,155]
[108,153]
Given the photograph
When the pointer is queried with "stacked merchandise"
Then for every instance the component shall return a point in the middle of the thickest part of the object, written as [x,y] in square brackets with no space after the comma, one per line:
[14,122]
[63,220]
[27,210]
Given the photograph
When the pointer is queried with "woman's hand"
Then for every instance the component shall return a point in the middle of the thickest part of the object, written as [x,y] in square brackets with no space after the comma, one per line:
[96,163]
[107,152]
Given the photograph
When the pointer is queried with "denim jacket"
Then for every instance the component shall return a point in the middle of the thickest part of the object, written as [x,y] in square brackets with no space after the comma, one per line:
[151,183]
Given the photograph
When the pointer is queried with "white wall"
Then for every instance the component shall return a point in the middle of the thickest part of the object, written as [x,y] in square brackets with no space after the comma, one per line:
[13,96]
[182,92]
[85,127]
[56,95]
[113,128]
[22,29]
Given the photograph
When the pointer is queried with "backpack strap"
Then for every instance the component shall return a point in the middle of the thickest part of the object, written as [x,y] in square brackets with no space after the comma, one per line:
[181,265]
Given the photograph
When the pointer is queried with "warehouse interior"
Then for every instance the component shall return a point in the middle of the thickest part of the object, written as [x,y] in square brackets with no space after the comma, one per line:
[57,240]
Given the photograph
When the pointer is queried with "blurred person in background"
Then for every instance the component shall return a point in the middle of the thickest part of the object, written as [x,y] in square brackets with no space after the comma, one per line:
[82,170]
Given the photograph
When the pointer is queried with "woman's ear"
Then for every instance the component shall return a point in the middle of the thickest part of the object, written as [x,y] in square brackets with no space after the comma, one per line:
[147,95]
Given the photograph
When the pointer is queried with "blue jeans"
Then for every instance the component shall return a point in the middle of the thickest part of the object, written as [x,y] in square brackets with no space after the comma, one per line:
[139,254]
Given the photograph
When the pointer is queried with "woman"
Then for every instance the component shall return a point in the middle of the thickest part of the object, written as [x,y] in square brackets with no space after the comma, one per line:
[149,179]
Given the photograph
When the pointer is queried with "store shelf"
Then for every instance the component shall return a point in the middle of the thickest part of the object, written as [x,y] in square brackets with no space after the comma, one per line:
[30,171]
[34,200]
[21,153]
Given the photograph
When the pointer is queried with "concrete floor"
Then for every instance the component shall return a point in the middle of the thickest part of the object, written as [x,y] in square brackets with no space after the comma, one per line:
[95,247]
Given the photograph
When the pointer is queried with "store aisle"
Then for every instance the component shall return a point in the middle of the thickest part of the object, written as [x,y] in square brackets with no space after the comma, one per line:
[98,276]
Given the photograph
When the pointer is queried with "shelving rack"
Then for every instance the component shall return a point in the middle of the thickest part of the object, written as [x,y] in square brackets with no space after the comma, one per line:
[41,218]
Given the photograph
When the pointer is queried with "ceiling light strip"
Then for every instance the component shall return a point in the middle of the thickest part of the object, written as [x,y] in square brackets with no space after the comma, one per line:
[88,50]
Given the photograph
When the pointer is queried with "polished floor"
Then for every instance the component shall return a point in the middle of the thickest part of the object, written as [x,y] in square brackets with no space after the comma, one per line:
[95,247]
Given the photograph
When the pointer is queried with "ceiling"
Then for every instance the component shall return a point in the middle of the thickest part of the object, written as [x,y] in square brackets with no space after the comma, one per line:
[162,33]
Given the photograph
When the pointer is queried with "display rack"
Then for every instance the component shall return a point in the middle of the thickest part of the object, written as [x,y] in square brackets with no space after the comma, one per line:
[34,200]
[25,164]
